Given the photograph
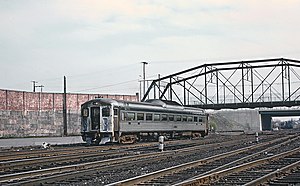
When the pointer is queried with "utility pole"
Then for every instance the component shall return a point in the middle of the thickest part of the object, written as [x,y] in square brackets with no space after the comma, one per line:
[65,126]
[33,84]
[144,77]
[41,86]
[140,90]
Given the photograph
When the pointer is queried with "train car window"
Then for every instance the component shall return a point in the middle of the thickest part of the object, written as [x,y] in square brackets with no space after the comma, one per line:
[195,119]
[105,112]
[156,117]
[200,119]
[171,117]
[177,118]
[190,118]
[140,116]
[184,118]
[85,112]
[149,116]
[164,117]
[115,112]
[130,116]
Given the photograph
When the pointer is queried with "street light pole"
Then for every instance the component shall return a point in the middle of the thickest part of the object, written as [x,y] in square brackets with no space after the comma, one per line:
[144,77]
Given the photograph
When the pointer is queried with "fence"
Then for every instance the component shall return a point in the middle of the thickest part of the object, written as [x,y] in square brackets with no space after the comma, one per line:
[24,114]
[33,101]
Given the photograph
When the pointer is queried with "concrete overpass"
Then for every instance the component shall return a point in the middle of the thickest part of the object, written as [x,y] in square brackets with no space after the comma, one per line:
[266,116]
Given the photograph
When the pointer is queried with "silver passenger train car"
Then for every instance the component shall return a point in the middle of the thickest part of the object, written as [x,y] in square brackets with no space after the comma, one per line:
[107,120]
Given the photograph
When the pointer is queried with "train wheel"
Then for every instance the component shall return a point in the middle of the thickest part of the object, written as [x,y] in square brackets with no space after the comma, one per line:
[128,139]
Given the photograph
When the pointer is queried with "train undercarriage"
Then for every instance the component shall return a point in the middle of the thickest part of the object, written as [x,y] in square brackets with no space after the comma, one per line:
[96,138]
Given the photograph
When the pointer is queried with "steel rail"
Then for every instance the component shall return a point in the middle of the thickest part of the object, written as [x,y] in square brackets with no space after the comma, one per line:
[217,175]
[12,165]
[17,155]
[99,164]
[275,174]
[54,178]
[18,164]
[77,167]
[183,167]
[246,158]
[59,159]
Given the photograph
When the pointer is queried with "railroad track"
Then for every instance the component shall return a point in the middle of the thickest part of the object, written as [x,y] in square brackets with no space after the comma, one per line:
[61,167]
[37,153]
[17,155]
[77,171]
[79,155]
[253,173]
[91,166]
[285,176]
[208,167]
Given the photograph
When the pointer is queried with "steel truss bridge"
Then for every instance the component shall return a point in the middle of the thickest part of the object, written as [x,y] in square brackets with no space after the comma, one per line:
[239,84]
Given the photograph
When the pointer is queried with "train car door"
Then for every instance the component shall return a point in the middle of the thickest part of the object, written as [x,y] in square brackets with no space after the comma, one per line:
[116,119]
[106,119]
[95,118]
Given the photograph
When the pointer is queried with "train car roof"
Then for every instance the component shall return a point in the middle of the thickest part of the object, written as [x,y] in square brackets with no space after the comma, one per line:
[152,104]
[162,102]
[149,102]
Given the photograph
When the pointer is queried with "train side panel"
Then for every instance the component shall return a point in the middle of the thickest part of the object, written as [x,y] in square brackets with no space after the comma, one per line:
[136,125]
[107,120]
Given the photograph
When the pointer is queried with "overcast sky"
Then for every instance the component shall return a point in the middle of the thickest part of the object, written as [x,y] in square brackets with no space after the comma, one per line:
[99,45]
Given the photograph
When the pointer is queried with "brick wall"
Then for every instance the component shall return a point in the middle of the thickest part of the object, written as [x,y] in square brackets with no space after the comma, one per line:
[24,114]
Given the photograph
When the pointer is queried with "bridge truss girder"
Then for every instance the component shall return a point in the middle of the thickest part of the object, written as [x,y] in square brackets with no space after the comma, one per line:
[240,84]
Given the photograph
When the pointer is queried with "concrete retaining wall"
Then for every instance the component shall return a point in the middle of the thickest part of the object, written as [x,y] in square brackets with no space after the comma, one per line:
[247,120]
[25,114]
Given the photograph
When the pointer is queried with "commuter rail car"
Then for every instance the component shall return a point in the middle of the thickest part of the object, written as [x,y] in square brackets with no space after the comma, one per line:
[108,120]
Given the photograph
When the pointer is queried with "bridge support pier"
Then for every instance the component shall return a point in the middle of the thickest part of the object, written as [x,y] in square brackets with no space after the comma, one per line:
[266,122]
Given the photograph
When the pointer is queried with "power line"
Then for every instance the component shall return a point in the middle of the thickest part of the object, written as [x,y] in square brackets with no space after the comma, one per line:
[179,61]
[111,69]
[89,73]
[111,85]
[115,84]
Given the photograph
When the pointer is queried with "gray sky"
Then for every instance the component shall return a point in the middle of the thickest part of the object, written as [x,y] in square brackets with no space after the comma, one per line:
[99,45]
